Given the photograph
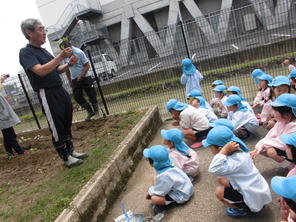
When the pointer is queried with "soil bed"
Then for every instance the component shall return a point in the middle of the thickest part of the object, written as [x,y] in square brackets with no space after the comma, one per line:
[37,187]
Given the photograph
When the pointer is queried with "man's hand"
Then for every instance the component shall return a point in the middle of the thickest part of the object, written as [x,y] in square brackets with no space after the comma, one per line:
[66,53]
[229,148]
[73,60]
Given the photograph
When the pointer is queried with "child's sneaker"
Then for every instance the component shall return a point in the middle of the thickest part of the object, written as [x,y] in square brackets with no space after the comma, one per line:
[196,145]
[232,212]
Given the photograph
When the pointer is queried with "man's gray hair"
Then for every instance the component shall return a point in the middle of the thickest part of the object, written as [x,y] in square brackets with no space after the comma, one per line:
[28,25]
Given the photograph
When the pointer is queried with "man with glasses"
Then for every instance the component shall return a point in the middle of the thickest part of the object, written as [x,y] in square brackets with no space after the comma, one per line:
[43,72]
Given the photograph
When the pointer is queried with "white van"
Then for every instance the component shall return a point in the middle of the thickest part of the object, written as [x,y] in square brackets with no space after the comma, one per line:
[105,66]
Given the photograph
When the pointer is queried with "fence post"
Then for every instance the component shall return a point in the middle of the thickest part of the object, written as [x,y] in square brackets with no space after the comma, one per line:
[98,82]
[185,40]
[29,101]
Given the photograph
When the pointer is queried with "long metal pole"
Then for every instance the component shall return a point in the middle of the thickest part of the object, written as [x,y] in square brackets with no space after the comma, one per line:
[29,101]
[185,40]
[98,82]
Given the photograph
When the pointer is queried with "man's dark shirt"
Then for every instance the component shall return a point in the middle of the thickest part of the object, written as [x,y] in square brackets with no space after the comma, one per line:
[30,56]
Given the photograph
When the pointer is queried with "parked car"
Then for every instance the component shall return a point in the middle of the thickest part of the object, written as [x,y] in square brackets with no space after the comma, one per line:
[105,66]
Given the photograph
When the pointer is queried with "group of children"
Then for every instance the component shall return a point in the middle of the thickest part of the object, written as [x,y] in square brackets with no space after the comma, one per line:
[222,125]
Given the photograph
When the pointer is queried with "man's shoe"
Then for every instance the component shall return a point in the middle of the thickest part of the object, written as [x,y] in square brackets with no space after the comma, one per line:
[72,161]
[79,155]
[89,116]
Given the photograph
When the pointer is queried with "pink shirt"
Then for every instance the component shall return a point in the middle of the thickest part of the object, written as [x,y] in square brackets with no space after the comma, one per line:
[267,112]
[262,96]
[272,138]
[189,165]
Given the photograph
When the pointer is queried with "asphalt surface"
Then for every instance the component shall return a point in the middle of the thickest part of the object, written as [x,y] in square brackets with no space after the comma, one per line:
[203,206]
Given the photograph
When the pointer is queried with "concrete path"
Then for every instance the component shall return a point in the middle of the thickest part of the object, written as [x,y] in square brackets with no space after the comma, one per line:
[203,206]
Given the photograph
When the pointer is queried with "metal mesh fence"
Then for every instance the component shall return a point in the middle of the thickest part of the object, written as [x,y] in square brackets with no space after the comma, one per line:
[146,70]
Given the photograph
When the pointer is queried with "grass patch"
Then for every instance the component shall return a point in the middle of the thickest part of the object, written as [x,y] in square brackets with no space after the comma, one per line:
[54,195]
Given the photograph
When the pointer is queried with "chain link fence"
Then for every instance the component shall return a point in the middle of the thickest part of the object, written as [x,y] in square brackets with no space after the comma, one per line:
[146,70]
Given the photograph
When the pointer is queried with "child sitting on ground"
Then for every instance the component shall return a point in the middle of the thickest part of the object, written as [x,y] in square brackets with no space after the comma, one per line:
[285,187]
[200,103]
[195,126]
[235,90]
[242,188]
[271,146]
[195,93]
[172,185]
[280,85]
[244,121]
[191,77]
[264,92]
[217,102]
[182,156]
[217,83]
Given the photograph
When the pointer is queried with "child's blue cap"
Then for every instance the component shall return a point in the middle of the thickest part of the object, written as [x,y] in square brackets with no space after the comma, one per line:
[235,100]
[223,122]
[202,102]
[280,80]
[256,73]
[237,90]
[292,74]
[194,93]
[220,88]
[175,105]
[177,137]
[170,104]
[286,99]
[160,156]
[217,82]
[266,77]
[284,187]
[187,67]
[220,136]
[289,139]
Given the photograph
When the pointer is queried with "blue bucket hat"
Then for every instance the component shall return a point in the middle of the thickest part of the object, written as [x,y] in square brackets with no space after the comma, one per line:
[160,156]
[202,102]
[289,139]
[194,93]
[284,187]
[280,80]
[237,90]
[292,74]
[223,122]
[218,82]
[286,99]
[177,137]
[220,88]
[220,136]
[235,100]
[170,104]
[176,105]
[256,74]
[187,67]
[266,77]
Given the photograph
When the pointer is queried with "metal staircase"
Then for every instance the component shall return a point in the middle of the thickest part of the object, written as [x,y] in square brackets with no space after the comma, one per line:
[75,11]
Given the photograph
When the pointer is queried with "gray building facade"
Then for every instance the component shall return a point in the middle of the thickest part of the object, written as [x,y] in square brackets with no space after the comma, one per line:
[133,31]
